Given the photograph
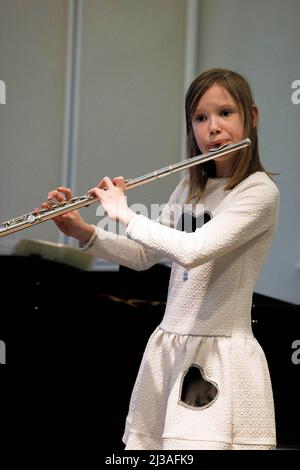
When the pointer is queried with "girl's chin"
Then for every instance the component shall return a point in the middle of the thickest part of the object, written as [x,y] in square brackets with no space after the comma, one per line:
[223,159]
[229,156]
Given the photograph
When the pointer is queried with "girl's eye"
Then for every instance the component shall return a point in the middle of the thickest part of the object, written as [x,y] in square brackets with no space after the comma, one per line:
[199,118]
[226,112]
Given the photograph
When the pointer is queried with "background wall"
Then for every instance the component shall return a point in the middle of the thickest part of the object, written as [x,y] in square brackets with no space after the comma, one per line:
[32,64]
[260,39]
[131,93]
[129,101]
[132,76]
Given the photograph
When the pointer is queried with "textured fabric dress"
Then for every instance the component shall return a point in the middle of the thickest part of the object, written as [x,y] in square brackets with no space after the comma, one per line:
[207,322]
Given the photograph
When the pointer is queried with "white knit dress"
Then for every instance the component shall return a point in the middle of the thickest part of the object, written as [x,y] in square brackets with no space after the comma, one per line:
[207,322]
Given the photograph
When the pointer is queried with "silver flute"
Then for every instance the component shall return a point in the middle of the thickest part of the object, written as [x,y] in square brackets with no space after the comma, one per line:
[37,217]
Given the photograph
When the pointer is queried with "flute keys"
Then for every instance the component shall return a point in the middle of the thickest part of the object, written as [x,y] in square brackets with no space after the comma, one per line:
[31,218]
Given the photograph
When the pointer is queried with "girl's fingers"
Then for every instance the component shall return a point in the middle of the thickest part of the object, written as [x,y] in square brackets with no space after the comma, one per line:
[118,178]
[96,192]
[61,193]
[52,194]
[67,192]
[105,183]
[119,182]
[60,197]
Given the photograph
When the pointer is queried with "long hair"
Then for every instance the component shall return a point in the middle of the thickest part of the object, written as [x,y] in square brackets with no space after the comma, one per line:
[247,161]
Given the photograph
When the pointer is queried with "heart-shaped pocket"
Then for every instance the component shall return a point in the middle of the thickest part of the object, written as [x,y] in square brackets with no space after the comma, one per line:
[196,390]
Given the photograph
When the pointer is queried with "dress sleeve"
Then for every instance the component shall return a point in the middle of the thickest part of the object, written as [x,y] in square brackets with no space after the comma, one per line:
[251,212]
[126,251]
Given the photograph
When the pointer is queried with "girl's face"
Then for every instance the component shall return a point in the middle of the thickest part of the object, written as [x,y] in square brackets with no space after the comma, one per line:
[218,121]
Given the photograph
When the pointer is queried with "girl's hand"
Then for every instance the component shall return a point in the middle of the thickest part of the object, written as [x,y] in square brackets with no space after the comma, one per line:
[71,223]
[113,200]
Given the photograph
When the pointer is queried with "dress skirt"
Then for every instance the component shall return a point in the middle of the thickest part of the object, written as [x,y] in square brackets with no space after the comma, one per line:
[240,414]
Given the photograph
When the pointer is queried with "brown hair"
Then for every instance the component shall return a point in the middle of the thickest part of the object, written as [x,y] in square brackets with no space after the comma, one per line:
[239,89]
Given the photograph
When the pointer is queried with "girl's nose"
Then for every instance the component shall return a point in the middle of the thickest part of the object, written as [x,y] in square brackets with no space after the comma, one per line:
[214,127]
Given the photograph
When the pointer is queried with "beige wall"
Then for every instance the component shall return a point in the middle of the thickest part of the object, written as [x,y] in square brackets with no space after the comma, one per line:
[32,64]
[130,98]
[260,39]
[131,94]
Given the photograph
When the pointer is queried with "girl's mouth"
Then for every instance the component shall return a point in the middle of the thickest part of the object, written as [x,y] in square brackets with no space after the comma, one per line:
[217,146]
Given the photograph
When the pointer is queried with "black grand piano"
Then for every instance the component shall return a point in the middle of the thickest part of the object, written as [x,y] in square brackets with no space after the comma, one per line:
[74,340]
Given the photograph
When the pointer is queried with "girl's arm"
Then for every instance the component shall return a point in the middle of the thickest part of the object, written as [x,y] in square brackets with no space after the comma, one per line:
[251,212]
[121,250]
[128,252]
